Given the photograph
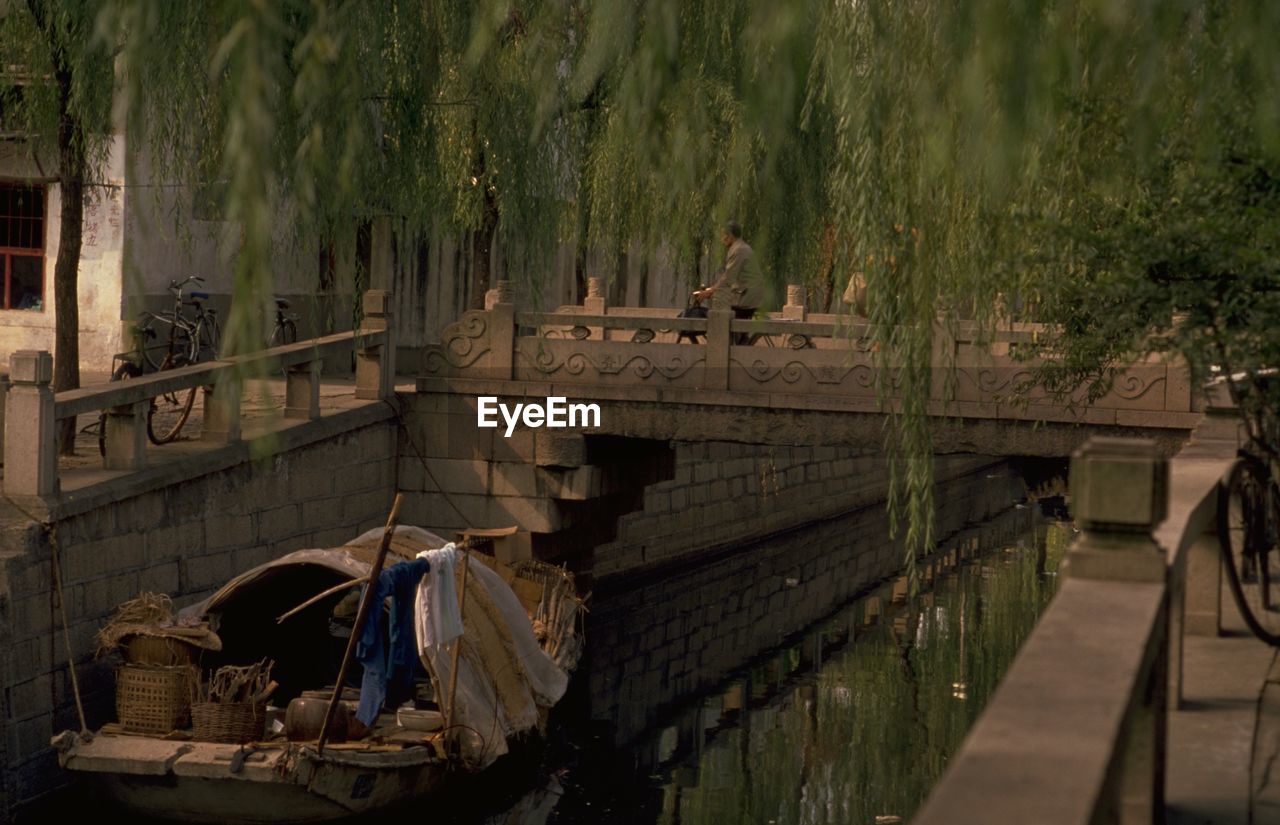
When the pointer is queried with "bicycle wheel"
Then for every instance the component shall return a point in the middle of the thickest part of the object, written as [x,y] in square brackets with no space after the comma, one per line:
[210,338]
[122,373]
[1247,510]
[169,412]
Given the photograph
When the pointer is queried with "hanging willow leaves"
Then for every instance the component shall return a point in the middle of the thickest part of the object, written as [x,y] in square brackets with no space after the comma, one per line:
[973,158]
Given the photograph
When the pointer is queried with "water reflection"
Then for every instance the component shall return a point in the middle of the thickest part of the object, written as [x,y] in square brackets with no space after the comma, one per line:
[856,722]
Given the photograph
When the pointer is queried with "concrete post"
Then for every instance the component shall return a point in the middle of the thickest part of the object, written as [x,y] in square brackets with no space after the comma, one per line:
[302,391]
[596,304]
[716,369]
[1119,493]
[502,293]
[222,410]
[376,364]
[502,341]
[1202,593]
[30,441]
[125,437]
[795,308]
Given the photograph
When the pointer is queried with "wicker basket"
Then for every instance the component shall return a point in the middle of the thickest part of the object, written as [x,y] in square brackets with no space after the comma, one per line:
[229,722]
[153,699]
[158,651]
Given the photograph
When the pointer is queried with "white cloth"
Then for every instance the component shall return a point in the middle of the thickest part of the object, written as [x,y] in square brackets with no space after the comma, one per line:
[438,614]
[483,722]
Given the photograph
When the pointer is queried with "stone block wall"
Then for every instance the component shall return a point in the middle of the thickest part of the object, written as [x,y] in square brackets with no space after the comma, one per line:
[649,646]
[722,494]
[185,540]
[566,490]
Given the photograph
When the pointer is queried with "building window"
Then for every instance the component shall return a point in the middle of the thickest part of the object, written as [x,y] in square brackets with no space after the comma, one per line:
[22,246]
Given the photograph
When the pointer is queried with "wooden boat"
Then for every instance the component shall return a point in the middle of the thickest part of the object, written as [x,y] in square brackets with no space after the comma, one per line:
[276,780]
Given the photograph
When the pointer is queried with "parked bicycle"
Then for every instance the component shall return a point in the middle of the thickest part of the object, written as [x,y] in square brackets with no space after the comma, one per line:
[1248,518]
[286,328]
[187,339]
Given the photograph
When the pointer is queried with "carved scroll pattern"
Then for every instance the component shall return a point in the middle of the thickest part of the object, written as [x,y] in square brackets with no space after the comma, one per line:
[549,361]
[463,343]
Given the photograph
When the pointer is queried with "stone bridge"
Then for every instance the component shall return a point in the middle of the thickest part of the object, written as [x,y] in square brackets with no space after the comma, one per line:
[791,379]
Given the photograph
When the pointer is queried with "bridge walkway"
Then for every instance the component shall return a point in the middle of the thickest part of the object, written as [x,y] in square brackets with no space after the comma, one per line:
[1224,741]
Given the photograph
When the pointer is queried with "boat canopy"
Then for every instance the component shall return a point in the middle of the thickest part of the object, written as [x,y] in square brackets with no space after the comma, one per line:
[505,682]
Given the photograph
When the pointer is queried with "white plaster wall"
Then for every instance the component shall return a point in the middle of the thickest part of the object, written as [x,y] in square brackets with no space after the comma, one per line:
[165,241]
[100,261]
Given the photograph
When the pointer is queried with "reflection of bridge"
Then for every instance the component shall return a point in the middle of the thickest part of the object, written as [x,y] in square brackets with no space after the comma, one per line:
[807,379]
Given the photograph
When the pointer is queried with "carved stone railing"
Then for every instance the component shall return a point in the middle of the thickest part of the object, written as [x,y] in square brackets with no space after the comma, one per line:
[1075,733]
[823,360]
[32,410]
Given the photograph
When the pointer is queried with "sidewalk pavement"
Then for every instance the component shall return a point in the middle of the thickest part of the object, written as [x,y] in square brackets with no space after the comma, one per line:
[1223,763]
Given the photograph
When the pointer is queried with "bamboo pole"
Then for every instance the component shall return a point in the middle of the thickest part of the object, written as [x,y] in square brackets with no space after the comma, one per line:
[337,588]
[457,643]
[361,614]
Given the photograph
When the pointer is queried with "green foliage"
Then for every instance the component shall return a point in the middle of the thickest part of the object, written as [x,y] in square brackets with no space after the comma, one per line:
[1105,163]
[38,39]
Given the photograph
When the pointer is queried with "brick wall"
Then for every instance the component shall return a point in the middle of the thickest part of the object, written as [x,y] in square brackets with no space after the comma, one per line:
[184,539]
[650,645]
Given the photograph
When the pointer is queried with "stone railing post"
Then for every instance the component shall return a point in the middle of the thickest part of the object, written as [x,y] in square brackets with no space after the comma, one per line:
[30,441]
[376,363]
[716,368]
[1119,494]
[125,437]
[222,409]
[302,391]
[502,293]
[596,304]
[502,341]
[795,308]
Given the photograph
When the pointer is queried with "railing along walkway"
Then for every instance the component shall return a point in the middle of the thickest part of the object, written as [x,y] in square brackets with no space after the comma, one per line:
[32,410]
[793,360]
[1076,733]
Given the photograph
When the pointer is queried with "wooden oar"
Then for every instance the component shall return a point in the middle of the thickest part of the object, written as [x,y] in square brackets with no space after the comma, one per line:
[361,614]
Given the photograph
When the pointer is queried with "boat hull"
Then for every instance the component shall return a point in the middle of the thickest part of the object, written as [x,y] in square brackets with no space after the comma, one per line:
[213,783]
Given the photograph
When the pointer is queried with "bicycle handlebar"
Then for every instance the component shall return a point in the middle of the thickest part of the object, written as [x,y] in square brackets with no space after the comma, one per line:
[176,288]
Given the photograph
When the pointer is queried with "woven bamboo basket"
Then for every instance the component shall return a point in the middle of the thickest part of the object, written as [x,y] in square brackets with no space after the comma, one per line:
[229,722]
[153,699]
[158,651]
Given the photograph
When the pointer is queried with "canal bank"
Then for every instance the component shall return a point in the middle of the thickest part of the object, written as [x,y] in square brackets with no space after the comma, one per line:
[743,603]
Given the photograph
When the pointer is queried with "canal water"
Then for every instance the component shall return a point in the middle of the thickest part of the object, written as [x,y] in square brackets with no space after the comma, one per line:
[843,702]
[850,719]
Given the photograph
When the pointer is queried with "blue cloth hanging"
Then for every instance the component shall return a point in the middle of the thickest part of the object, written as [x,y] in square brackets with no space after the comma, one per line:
[389,658]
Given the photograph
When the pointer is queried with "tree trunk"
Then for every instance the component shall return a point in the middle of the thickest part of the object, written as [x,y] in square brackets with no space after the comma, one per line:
[66,270]
[482,240]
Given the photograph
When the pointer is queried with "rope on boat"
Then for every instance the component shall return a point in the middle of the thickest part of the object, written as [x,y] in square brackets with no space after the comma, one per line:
[56,563]
[51,531]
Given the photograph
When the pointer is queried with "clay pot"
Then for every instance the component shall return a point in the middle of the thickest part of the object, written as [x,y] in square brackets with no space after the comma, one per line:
[305,715]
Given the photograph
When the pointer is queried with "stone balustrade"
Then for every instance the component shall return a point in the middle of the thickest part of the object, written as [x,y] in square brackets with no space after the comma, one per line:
[32,409]
[793,359]
[1076,731]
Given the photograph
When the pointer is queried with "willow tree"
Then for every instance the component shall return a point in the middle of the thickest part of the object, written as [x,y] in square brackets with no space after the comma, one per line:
[441,115]
[950,151]
[63,112]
